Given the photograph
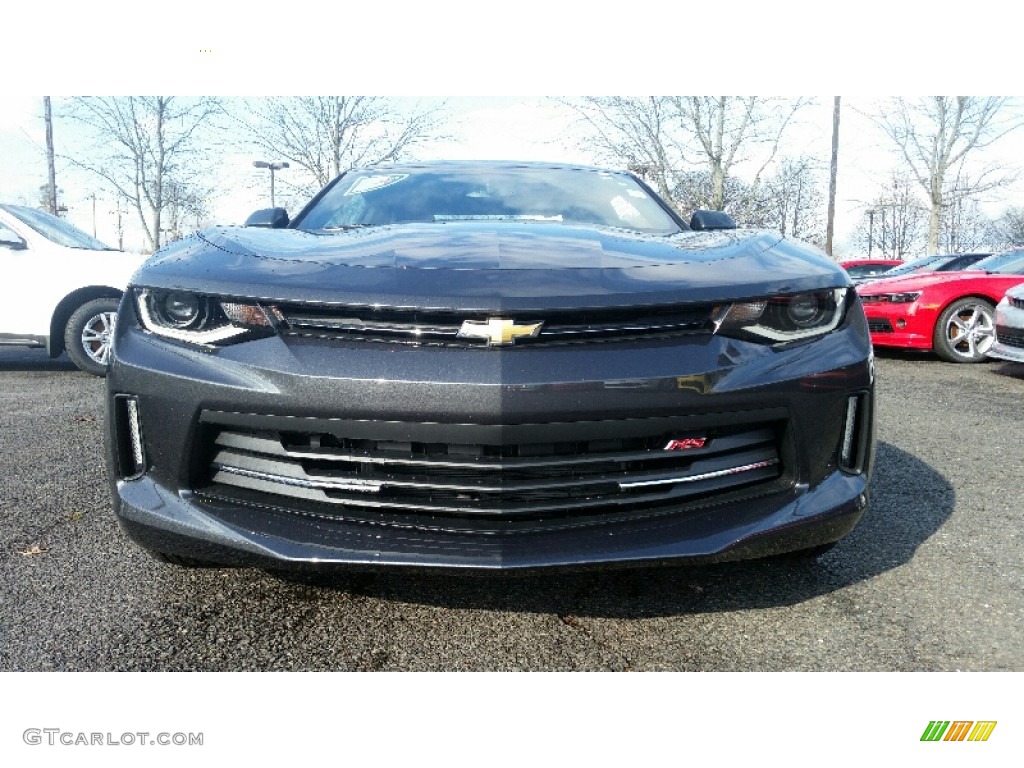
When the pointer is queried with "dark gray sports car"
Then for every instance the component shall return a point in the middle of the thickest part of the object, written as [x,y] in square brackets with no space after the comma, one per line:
[488,365]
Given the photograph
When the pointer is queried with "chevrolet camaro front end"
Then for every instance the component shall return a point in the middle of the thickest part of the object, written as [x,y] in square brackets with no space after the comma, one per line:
[488,366]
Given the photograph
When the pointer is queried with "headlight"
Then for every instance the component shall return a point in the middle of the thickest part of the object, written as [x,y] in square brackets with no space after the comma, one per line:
[890,298]
[785,318]
[198,319]
[182,310]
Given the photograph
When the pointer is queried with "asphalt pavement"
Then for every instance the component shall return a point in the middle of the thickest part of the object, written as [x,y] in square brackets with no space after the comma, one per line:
[930,580]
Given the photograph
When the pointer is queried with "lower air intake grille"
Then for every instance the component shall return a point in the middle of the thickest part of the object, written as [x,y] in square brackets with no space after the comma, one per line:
[380,480]
[1011,338]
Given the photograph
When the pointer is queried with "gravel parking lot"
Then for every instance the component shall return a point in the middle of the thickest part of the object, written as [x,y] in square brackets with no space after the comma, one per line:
[930,580]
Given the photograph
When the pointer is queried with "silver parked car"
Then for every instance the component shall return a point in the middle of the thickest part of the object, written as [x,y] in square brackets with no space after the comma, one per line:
[1009,343]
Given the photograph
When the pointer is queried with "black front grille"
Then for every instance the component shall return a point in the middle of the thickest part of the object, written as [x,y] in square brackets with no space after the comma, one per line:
[1011,337]
[413,326]
[879,325]
[1018,303]
[417,482]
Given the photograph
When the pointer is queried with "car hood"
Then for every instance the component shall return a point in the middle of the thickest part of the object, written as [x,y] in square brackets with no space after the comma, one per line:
[489,265]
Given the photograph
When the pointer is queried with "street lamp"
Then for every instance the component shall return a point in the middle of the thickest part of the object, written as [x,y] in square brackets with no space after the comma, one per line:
[273,167]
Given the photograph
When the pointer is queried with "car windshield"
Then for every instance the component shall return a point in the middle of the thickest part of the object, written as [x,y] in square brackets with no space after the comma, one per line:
[377,197]
[914,266]
[54,229]
[939,263]
[1006,263]
[865,270]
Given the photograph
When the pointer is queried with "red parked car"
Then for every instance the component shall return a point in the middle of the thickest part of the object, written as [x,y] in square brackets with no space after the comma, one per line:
[950,313]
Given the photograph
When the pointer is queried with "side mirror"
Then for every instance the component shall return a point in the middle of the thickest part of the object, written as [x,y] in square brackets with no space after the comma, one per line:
[271,218]
[711,220]
[9,239]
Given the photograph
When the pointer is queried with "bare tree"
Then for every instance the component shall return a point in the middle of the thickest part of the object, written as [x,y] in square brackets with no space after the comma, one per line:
[49,199]
[894,222]
[935,135]
[672,137]
[794,198]
[1009,228]
[727,130]
[640,132]
[142,146]
[187,208]
[326,135]
[965,227]
[790,200]
[694,189]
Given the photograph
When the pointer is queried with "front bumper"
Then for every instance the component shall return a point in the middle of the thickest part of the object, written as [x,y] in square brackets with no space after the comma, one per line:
[907,325]
[163,521]
[325,392]
[1009,342]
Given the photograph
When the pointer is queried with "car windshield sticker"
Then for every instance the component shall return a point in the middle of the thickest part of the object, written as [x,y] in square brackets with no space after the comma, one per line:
[495,217]
[627,211]
[373,183]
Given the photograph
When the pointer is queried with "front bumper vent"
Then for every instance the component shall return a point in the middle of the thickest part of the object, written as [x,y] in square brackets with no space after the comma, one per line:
[392,481]
[1010,337]
[131,456]
[854,443]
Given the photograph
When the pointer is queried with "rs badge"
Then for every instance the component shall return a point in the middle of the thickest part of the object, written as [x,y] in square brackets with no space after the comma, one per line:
[685,444]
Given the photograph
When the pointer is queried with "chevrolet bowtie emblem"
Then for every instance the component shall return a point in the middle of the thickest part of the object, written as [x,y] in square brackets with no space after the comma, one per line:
[498,331]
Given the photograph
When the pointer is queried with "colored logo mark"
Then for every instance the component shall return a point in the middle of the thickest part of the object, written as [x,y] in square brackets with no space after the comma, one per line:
[685,444]
[958,730]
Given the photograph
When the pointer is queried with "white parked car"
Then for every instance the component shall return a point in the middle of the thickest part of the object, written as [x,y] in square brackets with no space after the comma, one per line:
[1009,323]
[62,287]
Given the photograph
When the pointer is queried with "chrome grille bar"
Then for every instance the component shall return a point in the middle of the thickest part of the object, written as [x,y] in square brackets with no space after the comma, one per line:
[469,480]
[398,325]
[275,446]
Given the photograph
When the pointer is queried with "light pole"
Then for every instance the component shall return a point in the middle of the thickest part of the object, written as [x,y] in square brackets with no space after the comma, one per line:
[273,167]
[871,231]
[51,192]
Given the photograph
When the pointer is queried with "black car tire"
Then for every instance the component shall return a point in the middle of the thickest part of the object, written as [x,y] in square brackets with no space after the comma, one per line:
[89,334]
[968,321]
